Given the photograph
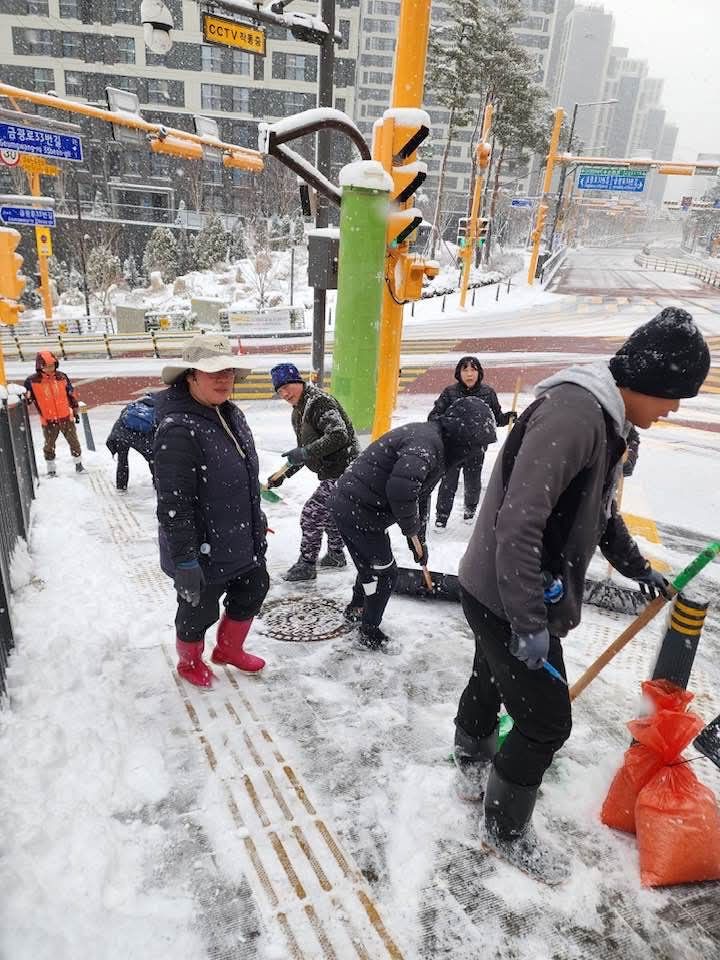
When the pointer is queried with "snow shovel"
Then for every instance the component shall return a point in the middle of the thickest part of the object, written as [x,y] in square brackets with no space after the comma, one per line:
[266,493]
[425,574]
[705,557]
[513,408]
[708,741]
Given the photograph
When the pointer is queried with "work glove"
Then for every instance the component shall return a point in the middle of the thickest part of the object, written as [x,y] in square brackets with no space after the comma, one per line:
[510,417]
[652,583]
[270,482]
[297,456]
[531,648]
[189,582]
[420,559]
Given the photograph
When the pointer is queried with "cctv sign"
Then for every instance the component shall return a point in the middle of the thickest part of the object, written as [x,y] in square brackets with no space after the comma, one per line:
[229,33]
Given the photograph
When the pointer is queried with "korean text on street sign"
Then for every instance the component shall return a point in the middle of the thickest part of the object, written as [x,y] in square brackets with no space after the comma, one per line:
[43,241]
[701,171]
[32,164]
[42,143]
[27,216]
[626,179]
[521,202]
[233,34]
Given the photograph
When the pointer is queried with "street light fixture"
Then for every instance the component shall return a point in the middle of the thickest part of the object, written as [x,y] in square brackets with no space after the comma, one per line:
[563,172]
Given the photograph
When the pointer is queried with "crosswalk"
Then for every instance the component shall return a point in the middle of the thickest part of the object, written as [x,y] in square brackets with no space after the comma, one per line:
[258,386]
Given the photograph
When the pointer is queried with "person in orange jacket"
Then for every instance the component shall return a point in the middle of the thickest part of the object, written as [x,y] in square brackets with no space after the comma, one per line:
[54,396]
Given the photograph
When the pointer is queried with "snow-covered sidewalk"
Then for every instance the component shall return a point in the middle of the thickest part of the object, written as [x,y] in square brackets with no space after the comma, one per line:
[307,812]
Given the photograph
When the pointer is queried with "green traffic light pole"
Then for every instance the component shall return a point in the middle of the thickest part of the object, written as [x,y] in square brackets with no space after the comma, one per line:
[366,189]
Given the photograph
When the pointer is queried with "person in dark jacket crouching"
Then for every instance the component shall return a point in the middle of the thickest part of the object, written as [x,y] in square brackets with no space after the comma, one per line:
[469,376]
[390,482]
[134,429]
[326,444]
[549,504]
[212,530]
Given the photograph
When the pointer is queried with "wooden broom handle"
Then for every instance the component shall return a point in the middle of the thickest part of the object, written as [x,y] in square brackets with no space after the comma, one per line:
[642,619]
[425,572]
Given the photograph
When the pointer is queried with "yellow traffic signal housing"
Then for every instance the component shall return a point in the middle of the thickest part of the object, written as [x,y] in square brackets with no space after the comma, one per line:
[402,224]
[482,230]
[540,224]
[10,312]
[409,272]
[12,282]
[175,147]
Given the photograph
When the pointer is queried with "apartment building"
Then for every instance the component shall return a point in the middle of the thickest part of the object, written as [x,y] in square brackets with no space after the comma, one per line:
[79,47]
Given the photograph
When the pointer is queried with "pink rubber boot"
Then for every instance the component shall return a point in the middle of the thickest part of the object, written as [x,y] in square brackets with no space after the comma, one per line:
[190,663]
[231,638]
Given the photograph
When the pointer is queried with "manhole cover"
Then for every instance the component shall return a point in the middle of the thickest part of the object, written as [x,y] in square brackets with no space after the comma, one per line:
[303,618]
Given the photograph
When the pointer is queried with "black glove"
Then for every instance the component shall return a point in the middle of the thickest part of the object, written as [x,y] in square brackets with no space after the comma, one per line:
[297,456]
[510,417]
[189,582]
[77,418]
[270,483]
[531,648]
[422,558]
[653,583]
[264,528]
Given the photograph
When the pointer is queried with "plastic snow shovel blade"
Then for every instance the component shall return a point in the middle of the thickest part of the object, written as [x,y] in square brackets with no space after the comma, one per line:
[411,583]
[269,495]
[708,741]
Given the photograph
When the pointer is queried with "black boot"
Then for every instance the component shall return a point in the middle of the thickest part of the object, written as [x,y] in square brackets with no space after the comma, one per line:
[334,559]
[302,570]
[372,637]
[473,759]
[508,832]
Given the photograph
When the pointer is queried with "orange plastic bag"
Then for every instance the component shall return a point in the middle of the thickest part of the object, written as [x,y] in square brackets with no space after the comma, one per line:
[678,829]
[661,737]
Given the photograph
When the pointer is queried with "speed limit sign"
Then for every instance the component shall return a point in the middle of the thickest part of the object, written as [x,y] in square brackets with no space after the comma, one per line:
[9,157]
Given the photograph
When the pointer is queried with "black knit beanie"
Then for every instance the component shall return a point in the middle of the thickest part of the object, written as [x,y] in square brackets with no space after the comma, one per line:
[666,357]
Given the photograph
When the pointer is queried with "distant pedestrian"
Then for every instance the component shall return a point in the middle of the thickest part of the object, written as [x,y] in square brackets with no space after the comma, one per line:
[391,482]
[134,429]
[54,396]
[469,383]
[326,444]
[212,530]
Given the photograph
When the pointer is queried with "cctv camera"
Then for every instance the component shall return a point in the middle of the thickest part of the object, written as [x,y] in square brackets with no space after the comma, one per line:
[157,24]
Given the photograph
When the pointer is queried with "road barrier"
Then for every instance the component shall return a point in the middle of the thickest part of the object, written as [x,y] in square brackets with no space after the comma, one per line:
[686,268]
[18,474]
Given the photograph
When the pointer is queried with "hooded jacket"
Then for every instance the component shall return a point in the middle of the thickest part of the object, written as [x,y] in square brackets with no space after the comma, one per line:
[556,506]
[52,394]
[458,390]
[208,494]
[325,431]
[391,481]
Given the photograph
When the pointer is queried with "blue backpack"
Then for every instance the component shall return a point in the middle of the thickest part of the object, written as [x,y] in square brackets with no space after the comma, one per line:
[139,416]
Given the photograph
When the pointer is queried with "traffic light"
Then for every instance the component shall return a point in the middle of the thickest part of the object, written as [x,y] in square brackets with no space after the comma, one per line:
[483,225]
[12,282]
[462,231]
[537,233]
[396,138]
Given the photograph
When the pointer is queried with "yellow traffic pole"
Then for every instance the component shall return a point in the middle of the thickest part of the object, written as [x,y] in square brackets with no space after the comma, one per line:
[3,377]
[34,181]
[408,87]
[482,155]
[543,207]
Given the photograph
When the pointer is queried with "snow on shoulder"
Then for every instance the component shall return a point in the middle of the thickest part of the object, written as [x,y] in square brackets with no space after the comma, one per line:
[368,174]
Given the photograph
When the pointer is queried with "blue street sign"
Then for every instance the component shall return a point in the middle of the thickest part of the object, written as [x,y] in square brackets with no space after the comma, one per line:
[622,179]
[28,216]
[716,205]
[42,143]
[521,202]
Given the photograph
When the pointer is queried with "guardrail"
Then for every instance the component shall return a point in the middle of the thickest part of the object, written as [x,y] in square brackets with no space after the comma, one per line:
[18,473]
[684,267]
[551,266]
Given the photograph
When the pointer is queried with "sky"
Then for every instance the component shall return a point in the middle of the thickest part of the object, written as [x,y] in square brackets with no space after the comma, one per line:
[679,41]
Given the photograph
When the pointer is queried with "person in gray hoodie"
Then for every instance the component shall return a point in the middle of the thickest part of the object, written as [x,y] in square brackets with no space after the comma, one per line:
[549,504]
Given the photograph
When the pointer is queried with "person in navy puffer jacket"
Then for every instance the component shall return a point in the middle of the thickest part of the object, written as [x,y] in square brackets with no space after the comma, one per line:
[212,530]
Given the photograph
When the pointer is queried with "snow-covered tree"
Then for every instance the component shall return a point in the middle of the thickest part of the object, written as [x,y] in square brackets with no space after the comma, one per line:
[184,247]
[99,208]
[104,270]
[58,271]
[211,244]
[131,274]
[161,254]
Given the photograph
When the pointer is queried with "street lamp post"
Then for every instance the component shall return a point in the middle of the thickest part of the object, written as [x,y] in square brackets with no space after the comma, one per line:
[563,172]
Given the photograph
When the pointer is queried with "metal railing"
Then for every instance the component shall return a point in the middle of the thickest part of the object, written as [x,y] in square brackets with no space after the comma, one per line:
[684,267]
[18,474]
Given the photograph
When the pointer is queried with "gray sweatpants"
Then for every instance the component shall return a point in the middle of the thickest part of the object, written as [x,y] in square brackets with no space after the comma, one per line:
[317,519]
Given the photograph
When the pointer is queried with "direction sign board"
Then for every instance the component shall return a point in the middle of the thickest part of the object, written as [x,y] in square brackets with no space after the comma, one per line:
[27,216]
[625,179]
[42,143]
[32,164]
[705,171]
[230,33]
[521,202]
